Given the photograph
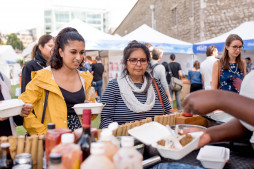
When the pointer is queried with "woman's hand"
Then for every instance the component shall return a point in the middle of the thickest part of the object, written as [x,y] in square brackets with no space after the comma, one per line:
[26,109]
[204,139]
[170,101]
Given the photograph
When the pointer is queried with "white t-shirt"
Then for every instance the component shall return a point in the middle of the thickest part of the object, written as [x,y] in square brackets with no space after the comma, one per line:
[206,68]
[247,90]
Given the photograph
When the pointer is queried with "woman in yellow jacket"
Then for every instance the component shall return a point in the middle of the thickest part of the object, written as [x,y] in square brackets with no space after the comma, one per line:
[66,86]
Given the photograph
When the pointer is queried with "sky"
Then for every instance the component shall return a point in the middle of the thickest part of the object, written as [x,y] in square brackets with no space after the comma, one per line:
[16,15]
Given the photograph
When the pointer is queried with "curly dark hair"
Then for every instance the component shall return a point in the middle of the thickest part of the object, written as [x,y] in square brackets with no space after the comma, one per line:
[62,39]
[131,47]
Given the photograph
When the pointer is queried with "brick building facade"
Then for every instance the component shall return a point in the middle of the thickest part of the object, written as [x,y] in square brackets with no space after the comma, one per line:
[188,20]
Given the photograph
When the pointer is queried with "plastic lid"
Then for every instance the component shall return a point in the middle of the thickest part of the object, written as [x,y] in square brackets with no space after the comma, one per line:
[127,141]
[67,138]
[55,158]
[5,145]
[97,148]
[106,135]
[51,126]
[113,126]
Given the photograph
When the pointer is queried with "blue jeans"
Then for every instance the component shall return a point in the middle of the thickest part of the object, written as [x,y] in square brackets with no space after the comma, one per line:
[177,96]
[98,88]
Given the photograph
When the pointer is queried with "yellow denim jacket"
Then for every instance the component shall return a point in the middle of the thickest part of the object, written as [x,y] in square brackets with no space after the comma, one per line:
[56,111]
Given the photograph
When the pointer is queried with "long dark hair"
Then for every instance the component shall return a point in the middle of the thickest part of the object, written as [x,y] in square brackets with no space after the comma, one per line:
[224,60]
[64,36]
[131,47]
[42,41]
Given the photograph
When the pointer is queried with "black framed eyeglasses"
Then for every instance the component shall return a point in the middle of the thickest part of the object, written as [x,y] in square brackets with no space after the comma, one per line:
[134,61]
[237,47]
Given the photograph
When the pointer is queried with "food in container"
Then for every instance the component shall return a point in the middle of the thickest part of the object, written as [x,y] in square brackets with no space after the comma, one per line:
[23,158]
[213,156]
[152,132]
[96,108]
[9,108]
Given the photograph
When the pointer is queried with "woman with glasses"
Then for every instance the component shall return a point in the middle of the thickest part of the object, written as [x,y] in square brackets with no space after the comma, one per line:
[232,67]
[132,96]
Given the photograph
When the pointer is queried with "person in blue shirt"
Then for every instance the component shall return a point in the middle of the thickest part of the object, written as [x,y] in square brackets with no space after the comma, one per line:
[195,77]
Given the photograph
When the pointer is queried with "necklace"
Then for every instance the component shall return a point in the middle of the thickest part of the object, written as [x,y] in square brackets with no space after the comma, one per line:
[230,70]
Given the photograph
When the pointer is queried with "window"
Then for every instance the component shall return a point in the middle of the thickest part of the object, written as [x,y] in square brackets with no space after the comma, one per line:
[47,20]
[192,5]
[174,15]
[47,13]
[62,16]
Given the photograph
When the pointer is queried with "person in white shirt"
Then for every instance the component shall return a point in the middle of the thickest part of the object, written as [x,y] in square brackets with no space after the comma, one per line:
[206,66]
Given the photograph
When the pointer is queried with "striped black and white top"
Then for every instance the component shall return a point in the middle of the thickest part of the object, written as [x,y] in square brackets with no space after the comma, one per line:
[115,109]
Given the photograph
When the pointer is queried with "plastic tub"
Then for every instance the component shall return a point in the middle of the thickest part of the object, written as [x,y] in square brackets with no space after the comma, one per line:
[96,108]
[213,156]
[152,132]
[9,108]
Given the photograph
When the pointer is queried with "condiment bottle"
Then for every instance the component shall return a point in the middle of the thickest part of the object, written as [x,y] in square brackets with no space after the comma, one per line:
[6,160]
[86,138]
[71,153]
[128,156]
[113,126]
[97,159]
[110,148]
[56,161]
[53,138]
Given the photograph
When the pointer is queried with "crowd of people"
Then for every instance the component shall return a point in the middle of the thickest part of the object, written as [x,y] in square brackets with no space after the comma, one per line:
[59,75]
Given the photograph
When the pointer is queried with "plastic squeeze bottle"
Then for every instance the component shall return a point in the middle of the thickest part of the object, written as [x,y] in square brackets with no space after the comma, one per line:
[128,157]
[112,127]
[97,159]
[110,148]
[71,153]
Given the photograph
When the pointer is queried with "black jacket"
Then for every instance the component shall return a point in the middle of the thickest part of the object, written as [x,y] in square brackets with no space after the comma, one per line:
[37,63]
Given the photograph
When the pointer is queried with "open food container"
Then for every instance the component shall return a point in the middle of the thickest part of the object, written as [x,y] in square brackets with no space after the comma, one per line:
[96,108]
[151,133]
[9,108]
[213,156]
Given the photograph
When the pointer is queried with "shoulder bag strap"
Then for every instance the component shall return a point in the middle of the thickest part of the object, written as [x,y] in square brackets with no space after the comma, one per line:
[44,107]
[218,73]
[192,75]
[159,94]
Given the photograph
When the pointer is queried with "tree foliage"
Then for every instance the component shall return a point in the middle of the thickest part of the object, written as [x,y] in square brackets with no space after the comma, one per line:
[14,41]
[1,41]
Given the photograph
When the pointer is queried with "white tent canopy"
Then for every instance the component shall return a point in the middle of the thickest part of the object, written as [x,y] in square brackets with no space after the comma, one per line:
[8,63]
[95,39]
[245,31]
[27,51]
[7,54]
[145,33]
